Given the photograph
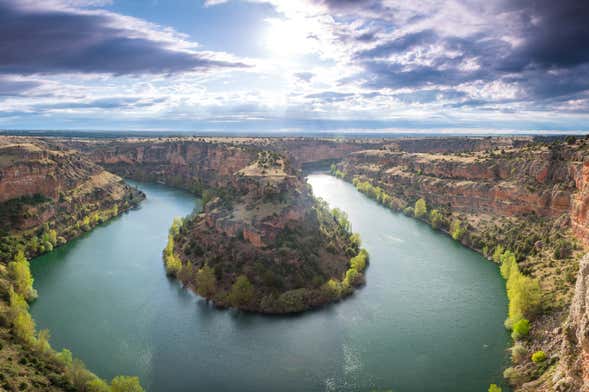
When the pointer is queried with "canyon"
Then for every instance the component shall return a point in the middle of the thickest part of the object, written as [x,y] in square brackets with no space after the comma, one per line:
[523,194]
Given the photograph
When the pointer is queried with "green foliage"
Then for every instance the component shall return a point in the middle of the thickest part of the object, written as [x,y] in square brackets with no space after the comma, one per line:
[436,219]
[22,279]
[457,230]
[65,357]
[538,356]
[420,208]
[521,329]
[24,327]
[352,275]
[42,344]
[374,192]
[497,254]
[242,292]
[359,261]
[335,172]
[494,388]
[523,292]
[97,385]
[171,261]
[408,211]
[126,384]
[342,219]
[563,249]
[206,282]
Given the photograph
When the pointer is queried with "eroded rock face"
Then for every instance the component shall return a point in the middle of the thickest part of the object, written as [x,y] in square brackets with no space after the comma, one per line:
[44,185]
[573,372]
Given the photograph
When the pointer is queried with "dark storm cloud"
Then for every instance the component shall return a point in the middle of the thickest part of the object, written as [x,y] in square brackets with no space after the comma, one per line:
[549,62]
[48,41]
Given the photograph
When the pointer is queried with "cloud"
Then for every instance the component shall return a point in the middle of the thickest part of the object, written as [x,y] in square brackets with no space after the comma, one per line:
[14,87]
[46,39]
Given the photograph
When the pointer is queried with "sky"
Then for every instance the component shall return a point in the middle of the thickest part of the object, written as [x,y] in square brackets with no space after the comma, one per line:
[488,66]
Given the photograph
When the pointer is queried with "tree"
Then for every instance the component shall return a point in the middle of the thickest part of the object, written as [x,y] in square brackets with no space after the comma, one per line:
[206,282]
[420,208]
[351,277]
[42,343]
[358,262]
[126,384]
[24,327]
[21,276]
[186,274]
[494,388]
[242,291]
[520,329]
[97,385]
[457,230]
[436,218]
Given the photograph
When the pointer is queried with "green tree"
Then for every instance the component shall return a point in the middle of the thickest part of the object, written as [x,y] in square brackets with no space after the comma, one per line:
[358,262]
[494,388]
[242,291]
[97,385]
[126,384]
[351,277]
[420,208]
[42,343]
[206,282]
[21,276]
[186,274]
[457,230]
[520,329]
[436,218]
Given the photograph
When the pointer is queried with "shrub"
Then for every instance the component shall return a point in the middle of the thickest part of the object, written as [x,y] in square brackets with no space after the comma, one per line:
[242,292]
[126,384]
[436,218]
[513,376]
[358,262]
[206,282]
[408,211]
[97,385]
[494,388]
[520,329]
[351,277]
[518,353]
[420,208]
[20,273]
[457,231]
[538,356]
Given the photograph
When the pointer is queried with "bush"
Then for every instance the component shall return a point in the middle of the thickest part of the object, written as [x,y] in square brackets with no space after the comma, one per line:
[457,231]
[206,282]
[242,292]
[494,388]
[126,384]
[436,219]
[538,356]
[518,353]
[408,211]
[20,273]
[520,329]
[358,262]
[420,208]
[513,376]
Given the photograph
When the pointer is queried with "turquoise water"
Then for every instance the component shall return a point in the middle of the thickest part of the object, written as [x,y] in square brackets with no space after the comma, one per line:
[429,319]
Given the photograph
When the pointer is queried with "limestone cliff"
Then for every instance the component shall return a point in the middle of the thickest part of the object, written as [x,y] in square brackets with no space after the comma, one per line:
[48,190]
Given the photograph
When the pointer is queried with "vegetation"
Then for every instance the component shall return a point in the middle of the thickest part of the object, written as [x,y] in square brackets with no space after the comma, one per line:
[494,388]
[21,276]
[206,282]
[420,208]
[436,219]
[518,353]
[457,230]
[172,263]
[538,357]
[521,329]
[242,292]
[335,172]
[523,292]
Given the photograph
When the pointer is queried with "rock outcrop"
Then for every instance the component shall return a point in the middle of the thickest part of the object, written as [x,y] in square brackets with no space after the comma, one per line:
[44,188]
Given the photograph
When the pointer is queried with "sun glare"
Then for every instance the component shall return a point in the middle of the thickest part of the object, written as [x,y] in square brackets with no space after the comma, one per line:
[287,38]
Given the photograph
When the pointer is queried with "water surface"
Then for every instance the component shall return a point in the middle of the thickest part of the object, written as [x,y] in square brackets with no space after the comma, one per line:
[430,318]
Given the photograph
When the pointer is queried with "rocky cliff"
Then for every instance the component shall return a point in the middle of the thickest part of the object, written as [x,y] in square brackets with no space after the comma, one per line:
[50,194]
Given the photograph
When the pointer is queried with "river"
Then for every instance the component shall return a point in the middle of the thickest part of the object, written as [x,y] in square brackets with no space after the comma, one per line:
[429,319]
